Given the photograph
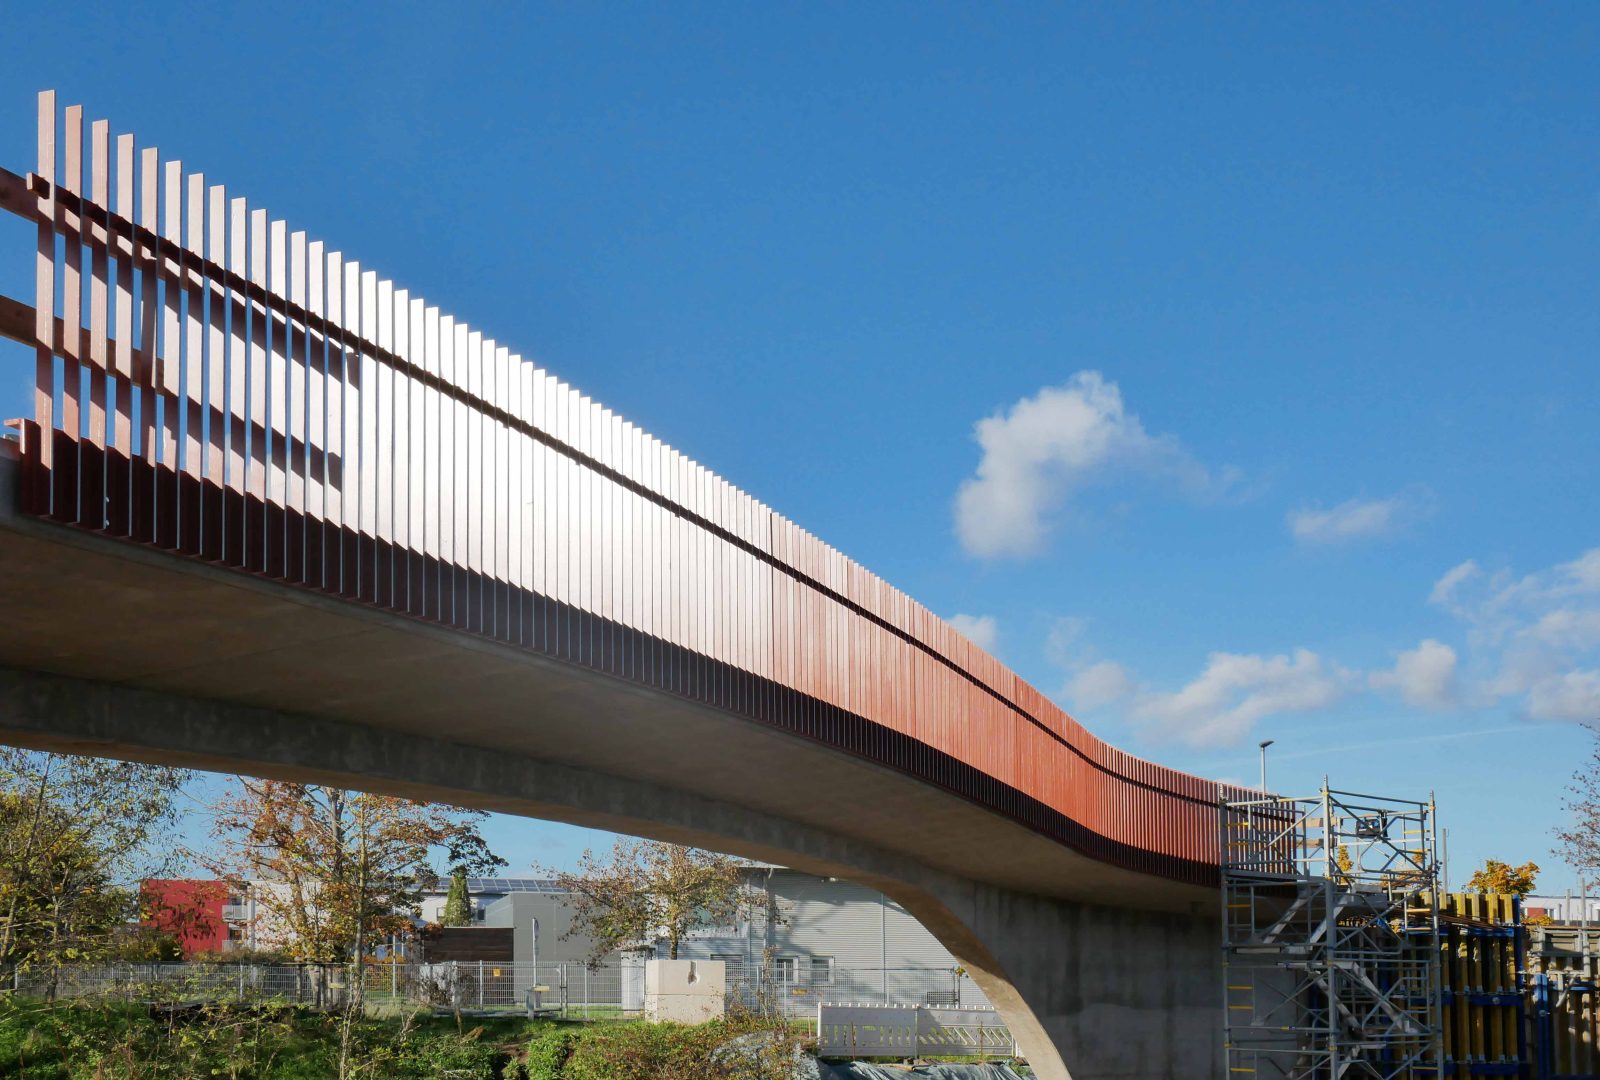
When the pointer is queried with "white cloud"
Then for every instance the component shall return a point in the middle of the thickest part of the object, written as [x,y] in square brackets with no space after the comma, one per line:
[1091,682]
[1532,640]
[1572,695]
[1234,692]
[1050,445]
[1099,684]
[1425,676]
[1360,519]
[1444,589]
[982,630]
[1539,633]
[1568,628]
[1583,573]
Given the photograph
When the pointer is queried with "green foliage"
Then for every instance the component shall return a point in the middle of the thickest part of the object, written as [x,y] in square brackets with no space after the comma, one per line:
[75,834]
[647,888]
[143,945]
[122,1041]
[739,1048]
[458,904]
[640,1052]
[547,1053]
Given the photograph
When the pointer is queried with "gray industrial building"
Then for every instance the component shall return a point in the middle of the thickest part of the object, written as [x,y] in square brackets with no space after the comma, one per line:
[801,936]
[536,909]
[835,940]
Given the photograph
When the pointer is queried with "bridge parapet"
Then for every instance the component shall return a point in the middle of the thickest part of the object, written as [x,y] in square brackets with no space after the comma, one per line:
[244,396]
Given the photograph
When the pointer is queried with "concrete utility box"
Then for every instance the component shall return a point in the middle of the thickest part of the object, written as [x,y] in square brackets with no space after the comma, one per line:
[684,991]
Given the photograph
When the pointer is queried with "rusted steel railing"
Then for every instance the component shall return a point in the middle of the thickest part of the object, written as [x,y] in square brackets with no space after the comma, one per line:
[217,385]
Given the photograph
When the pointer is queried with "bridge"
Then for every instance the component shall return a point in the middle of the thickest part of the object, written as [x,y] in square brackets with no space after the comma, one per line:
[275,515]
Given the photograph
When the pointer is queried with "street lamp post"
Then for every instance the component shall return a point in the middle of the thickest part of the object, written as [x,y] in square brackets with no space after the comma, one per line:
[1263,744]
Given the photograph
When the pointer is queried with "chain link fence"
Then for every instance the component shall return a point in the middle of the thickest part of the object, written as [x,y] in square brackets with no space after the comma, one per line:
[319,985]
[571,990]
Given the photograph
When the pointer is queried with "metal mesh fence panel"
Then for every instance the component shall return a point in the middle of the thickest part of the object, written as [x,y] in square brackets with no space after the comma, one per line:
[573,990]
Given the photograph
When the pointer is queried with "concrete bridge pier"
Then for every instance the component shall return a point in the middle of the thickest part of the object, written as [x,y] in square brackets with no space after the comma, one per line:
[1090,992]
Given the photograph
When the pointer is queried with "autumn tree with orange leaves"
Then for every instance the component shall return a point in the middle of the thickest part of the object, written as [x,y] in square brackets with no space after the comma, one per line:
[1499,877]
[340,869]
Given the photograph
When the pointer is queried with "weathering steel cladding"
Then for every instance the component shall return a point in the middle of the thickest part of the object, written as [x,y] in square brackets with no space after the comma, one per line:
[242,395]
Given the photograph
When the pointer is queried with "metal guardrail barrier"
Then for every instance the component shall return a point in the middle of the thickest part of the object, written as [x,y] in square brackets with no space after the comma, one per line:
[855,1031]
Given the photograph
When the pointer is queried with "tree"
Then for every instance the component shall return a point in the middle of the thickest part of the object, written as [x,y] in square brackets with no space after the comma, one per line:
[1579,843]
[341,867]
[76,835]
[338,868]
[647,890]
[458,904]
[1499,877]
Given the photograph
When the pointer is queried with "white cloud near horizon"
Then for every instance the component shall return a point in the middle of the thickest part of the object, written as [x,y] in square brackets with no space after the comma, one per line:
[1360,519]
[1534,641]
[1540,633]
[982,630]
[1424,676]
[1222,705]
[1217,708]
[1043,449]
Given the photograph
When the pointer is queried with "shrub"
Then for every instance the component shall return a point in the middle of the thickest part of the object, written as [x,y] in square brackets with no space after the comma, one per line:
[642,1052]
[547,1054]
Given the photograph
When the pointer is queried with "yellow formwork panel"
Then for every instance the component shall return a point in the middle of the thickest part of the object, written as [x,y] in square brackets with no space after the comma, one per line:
[1476,964]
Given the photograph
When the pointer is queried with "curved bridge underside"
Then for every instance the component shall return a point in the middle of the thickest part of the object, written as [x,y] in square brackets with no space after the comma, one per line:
[260,476]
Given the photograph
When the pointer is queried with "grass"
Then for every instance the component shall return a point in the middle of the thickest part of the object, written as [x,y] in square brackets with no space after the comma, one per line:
[122,1041]
[117,1040]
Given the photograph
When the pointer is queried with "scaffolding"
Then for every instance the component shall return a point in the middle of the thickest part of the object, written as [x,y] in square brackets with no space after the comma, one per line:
[1330,929]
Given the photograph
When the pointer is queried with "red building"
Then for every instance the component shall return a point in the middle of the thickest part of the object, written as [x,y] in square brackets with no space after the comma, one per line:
[191,911]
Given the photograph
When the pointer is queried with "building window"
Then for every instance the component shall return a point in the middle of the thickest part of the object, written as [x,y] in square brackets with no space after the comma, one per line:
[783,969]
[822,971]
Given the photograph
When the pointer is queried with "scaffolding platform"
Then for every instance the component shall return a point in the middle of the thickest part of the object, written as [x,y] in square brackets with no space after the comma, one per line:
[1330,937]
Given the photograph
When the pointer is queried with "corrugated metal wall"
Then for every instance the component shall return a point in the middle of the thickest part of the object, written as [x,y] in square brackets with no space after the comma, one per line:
[282,410]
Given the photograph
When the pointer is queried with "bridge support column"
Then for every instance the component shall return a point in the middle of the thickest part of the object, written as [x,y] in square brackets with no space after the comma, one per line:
[1091,993]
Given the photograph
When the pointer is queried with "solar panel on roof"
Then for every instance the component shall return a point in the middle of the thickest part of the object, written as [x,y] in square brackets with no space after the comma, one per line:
[509,885]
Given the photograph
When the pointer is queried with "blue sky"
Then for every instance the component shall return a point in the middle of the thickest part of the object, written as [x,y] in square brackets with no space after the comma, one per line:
[1235,370]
